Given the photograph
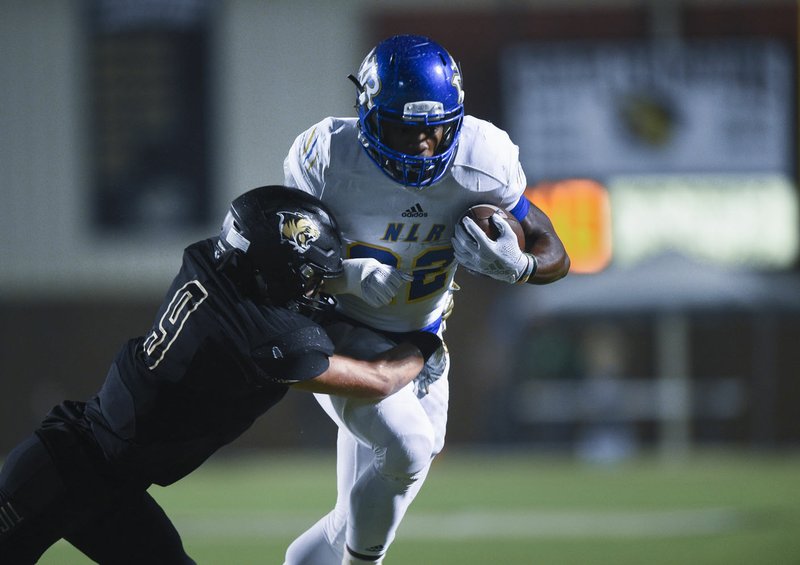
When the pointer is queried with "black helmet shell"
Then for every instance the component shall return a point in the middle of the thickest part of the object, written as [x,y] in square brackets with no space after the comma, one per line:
[287,241]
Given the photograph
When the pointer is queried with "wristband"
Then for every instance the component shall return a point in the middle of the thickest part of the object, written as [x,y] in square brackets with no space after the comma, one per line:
[530,270]
[427,343]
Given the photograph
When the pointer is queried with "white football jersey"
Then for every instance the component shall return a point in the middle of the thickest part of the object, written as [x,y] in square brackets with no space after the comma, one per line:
[407,228]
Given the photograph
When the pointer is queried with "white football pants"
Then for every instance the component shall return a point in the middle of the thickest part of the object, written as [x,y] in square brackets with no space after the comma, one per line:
[384,452]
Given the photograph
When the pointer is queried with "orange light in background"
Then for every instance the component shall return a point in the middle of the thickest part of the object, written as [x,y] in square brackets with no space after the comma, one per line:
[581,214]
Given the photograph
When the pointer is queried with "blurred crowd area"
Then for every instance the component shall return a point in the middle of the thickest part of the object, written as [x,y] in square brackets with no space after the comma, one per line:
[660,137]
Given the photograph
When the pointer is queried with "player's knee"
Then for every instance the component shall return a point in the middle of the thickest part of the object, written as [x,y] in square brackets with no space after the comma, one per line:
[406,457]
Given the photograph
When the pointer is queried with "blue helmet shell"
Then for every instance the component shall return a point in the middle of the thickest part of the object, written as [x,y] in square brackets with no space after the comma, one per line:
[411,80]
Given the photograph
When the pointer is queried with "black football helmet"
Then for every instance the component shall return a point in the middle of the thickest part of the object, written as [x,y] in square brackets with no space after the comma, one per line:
[281,243]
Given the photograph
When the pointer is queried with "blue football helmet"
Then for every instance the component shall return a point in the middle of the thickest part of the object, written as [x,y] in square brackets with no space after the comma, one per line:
[413,81]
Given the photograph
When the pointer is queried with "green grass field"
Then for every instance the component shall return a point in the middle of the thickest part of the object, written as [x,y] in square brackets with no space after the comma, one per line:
[482,507]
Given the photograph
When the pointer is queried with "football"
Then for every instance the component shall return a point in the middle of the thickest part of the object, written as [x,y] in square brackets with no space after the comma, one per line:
[480,214]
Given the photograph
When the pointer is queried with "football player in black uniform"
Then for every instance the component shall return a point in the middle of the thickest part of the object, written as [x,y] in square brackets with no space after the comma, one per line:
[235,332]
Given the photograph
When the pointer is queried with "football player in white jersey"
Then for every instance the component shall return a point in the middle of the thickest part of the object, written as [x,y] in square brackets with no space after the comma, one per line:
[399,177]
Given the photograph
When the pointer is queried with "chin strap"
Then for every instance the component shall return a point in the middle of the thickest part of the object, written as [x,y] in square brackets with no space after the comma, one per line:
[226,258]
[354,80]
[319,308]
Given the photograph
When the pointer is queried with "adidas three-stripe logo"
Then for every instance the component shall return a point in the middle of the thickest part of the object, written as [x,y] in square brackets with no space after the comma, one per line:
[8,518]
[415,211]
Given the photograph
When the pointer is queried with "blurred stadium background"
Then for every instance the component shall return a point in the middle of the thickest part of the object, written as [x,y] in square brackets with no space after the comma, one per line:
[660,136]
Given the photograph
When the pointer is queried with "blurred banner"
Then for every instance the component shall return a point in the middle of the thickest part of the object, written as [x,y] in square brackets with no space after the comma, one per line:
[597,109]
[693,141]
[744,220]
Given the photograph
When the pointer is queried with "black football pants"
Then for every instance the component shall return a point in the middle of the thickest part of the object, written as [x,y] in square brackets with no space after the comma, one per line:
[51,487]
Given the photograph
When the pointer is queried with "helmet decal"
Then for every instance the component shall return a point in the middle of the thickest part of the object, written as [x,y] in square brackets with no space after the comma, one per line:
[298,230]
[369,79]
[456,81]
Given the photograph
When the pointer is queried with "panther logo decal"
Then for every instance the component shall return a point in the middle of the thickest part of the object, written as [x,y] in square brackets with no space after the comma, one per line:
[298,230]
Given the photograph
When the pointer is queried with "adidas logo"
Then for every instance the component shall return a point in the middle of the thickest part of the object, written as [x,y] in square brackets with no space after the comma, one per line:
[415,211]
[8,518]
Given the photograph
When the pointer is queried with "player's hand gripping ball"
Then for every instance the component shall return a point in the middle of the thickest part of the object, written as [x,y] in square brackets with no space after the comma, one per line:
[490,241]
[481,214]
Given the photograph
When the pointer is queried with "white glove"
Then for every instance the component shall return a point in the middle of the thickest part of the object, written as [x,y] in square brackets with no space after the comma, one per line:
[370,280]
[502,259]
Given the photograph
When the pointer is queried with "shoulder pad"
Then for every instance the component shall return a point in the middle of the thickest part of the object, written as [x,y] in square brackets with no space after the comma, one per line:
[332,140]
[297,354]
[487,159]
[296,342]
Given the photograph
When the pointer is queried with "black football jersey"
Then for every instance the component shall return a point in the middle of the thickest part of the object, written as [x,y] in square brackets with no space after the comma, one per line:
[213,362]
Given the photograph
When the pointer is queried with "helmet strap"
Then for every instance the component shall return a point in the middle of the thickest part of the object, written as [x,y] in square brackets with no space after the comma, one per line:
[354,80]
[261,287]
[230,258]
